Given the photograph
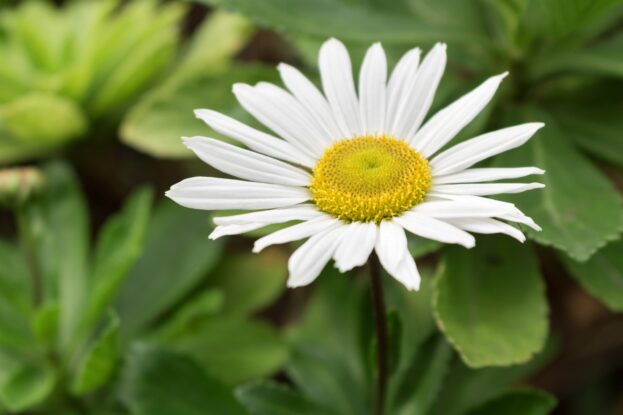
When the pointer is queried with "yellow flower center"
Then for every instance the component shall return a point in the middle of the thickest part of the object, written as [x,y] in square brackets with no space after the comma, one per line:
[368,179]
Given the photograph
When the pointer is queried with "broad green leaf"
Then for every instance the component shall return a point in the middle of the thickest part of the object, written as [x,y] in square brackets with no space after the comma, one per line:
[272,398]
[119,245]
[99,362]
[24,132]
[595,128]
[356,22]
[521,402]
[62,224]
[232,348]
[156,125]
[602,275]
[478,308]
[579,210]
[169,268]
[45,322]
[250,282]
[159,382]
[423,381]
[26,387]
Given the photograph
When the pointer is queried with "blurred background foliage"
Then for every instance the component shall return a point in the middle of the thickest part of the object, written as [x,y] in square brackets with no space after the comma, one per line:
[113,301]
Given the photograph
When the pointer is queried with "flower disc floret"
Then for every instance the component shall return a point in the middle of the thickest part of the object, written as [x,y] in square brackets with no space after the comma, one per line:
[369,179]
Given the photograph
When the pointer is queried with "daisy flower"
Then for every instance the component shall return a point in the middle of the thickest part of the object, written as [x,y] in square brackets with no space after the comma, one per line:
[357,167]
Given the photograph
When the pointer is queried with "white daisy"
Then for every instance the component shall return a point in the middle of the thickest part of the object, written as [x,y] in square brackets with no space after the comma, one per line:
[357,169]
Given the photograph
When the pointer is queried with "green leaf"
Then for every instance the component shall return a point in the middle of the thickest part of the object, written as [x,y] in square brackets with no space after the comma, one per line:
[522,402]
[232,348]
[169,268]
[205,304]
[579,209]
[158,382]
[45,322]
[360,22]
[119,245]
[214,46]
[332,369]
[24,132]
[478,308]
[26,387]
[595,128]
[422,382]
[603,59]
[563,17]
[99,362]
[272,398]
[62,223]
[157,123]
[602,275]
[250,282]
[471,388]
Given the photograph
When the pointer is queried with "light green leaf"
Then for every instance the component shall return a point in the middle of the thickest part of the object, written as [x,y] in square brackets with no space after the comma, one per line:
[24,132]
[579,210]
[62,224]
[158,122]
[478,308]
[205,304]
[214,46]
[272,398]
[99,362]
[119,245]
[169,267]
[232,348]
[356,22]
[45,322]
[158,382]
[602,275]
[250,282]
[521,402]
[26,387]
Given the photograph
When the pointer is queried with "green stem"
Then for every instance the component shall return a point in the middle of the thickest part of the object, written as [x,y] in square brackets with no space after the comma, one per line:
[380,323]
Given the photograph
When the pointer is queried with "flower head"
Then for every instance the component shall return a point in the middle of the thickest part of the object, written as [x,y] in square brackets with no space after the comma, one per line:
[358,166]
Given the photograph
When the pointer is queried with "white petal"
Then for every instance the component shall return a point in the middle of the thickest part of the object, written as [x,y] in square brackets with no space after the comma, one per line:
[254,139]
[213,193]
[470,152]
[445,124]
[234,229]
[309,259]
[404,71]
[434,229]
[391,245]
[484,189]
[246,164]
[405,271]
[372,79]
[312,99]
[461,209]
[272,114]
[339,87]
[418,93]
[487,226]
[299,212]
[313,132]
[296,232]
[487,174]
[519,217]
[356,245]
